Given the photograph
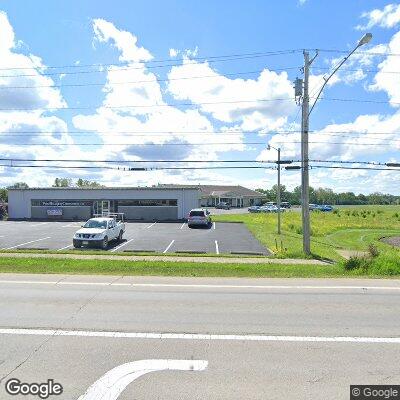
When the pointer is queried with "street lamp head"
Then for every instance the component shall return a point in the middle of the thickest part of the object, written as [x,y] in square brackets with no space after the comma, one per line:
[365,39]
[269,147]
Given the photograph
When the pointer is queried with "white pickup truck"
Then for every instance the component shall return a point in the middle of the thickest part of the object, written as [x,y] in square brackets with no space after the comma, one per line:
[98,232]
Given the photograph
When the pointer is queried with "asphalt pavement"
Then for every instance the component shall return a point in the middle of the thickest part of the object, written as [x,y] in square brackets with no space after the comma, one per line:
[159,237]
[202,338]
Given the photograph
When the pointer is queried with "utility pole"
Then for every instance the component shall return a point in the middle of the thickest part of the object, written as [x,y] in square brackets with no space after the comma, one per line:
[305,192]
[278,193]
[278,190]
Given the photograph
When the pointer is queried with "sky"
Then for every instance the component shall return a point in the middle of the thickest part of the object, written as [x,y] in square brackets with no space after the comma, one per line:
[187,80]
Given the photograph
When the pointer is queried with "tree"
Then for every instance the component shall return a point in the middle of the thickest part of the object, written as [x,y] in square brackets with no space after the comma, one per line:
[3,195]
[19,185]
[62,182]
[84,183]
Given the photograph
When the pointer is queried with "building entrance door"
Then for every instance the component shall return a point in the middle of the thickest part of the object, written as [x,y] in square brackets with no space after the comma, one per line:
[101,207]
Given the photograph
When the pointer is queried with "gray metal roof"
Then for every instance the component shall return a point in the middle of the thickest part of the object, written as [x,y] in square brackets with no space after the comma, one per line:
[224,190]
[166,187]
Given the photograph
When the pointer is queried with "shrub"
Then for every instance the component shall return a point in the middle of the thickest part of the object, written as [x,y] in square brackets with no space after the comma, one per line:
[373,250]
[335,211]
[355,262]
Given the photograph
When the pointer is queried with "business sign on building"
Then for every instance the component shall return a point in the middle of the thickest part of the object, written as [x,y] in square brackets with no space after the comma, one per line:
[54,212]
[61,203]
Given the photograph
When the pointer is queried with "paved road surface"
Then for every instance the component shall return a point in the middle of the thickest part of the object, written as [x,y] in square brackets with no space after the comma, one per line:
[161,237]
[260,338]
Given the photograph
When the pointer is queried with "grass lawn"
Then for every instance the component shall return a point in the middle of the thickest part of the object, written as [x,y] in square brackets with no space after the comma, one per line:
[351,228]
[189,269]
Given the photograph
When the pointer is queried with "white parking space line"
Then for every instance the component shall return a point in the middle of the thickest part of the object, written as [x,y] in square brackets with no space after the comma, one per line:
[216,247]
[121,245]
[214,225]
[66,247]
[151,225]
[200,336]
[42,223]
[71,226]
[23,244]
[183,225]
[172,242]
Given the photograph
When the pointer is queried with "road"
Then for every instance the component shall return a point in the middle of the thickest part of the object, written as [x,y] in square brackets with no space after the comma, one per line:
[249,338]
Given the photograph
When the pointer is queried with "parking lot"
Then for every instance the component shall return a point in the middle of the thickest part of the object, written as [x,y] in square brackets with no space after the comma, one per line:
[157,237]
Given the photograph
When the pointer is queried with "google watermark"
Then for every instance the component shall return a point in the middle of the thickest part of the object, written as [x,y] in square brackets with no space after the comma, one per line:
[375,392]
[42,390]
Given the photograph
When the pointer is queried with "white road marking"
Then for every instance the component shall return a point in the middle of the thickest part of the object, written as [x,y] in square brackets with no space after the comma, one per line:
[70,226]
[22,244]
[114,382]
[172,242]
[214,225]
[216,247]
[151,225]
[42,223]
[66,247]
[182,226]
[204,286]
[197,336]
[121,245]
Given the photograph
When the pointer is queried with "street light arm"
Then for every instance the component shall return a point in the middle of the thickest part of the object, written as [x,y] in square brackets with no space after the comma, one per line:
[330,76]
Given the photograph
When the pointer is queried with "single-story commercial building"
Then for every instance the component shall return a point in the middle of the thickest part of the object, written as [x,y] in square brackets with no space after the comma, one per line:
[236,196]
[160,203]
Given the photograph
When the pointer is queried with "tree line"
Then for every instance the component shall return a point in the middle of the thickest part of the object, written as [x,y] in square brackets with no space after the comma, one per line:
[328,196]
[58,182]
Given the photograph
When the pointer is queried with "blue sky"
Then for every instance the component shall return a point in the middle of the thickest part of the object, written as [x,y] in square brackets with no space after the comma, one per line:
[131,34]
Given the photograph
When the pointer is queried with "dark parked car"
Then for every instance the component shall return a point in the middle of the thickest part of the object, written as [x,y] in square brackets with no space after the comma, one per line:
[285,204]
[223,205]
[254,209]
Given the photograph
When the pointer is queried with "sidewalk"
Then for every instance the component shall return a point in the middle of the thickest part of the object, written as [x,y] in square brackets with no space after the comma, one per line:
[216,260]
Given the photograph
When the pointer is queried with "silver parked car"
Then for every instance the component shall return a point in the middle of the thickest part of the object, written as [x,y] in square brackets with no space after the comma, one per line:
[199,217]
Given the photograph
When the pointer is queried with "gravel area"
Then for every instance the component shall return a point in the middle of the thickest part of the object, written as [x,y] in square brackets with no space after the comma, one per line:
[394,241]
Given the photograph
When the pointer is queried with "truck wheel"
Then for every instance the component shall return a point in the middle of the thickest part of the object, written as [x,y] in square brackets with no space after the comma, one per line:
[104,243]
[77,244]
[120,236]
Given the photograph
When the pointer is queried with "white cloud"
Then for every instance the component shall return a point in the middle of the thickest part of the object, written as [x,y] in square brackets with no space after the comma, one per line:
[388,17]
[148,115]
[124,41]
[173,52]
[385,79]
[262,103]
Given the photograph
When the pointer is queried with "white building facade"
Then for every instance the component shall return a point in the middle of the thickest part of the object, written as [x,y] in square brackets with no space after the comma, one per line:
[139,203]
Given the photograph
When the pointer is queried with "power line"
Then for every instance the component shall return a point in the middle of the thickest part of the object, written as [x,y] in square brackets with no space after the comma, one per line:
[134,161]
[139,144]
[367,53]
[131,168]
[359,70]
[355,168]
[6,87]
[388,143]
[191,104]
[174,132]
[98,65]
[129,67]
